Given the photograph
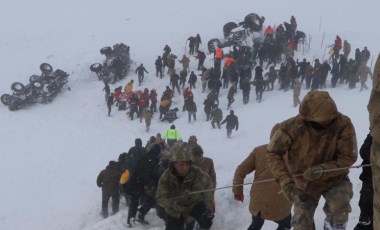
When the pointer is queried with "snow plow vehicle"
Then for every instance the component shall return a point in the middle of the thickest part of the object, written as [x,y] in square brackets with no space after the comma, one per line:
[117,64]
[40,89]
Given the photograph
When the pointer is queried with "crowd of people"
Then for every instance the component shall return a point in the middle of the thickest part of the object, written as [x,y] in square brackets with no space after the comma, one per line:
[307,156]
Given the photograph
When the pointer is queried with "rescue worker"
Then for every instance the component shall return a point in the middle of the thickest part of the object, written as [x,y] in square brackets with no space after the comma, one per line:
[147,115]
[216,116]
[172,135]
[110,101]
[192,80]
[363,73]
[140,73]
[185,61]
[128,87]
[174,192]
[159,64]
[374,114]
[232,123]
[266,203]
[230,95]
[108,180]
[218,56]
[317,140]
[201,56]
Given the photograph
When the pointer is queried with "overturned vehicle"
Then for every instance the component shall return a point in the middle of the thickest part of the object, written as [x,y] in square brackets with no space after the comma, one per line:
[242,33]
[116,66]
[40,89]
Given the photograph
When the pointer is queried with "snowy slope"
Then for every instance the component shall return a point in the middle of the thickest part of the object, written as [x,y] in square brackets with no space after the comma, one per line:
[51,154]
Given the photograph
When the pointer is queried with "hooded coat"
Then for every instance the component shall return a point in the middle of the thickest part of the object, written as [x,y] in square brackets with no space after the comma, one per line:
[265,197]
[318,136]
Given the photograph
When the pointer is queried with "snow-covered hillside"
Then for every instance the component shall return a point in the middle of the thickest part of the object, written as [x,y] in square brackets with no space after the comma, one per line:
[51,154]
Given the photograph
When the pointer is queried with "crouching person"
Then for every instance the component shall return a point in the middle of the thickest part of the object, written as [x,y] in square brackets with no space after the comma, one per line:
[108,180]
[174,192]
[266,202]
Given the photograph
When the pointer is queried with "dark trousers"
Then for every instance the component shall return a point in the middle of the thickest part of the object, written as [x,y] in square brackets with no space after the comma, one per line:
[109,109]
[366,200]
[258,222]
[146,203]
[115,203]
[133,204]
[229,132]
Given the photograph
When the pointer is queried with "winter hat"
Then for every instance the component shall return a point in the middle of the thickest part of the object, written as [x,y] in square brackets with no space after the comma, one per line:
[172,127]
[155,149]
[193,138]
[197,150]
[138,142]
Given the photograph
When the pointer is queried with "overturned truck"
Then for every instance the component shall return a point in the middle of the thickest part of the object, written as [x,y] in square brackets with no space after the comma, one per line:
[116,66]
[40,89]
[242,33]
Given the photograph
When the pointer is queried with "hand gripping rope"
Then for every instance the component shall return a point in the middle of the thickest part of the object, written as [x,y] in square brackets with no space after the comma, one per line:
[187,193]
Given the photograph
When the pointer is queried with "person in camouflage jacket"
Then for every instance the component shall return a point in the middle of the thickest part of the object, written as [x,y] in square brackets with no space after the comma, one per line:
[311,144]
[175,187]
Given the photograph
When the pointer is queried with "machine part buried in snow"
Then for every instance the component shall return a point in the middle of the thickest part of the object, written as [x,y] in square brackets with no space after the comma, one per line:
[41,88]
[117,64]
[242,33]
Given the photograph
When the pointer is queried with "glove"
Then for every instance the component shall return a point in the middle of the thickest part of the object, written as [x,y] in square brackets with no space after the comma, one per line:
[239,197]
[289,190]
[313,173]
[186,194]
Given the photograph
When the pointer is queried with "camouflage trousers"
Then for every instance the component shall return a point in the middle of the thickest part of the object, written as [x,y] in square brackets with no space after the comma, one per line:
[337,206]
[296,100]
[375,164]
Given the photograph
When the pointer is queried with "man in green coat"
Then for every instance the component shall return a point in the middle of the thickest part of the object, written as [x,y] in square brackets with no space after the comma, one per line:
[176,192]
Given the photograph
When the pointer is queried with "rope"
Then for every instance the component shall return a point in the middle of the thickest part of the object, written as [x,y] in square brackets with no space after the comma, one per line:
[188,193]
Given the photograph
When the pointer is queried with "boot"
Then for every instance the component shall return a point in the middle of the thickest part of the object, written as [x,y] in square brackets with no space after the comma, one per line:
[141,218]
[331,226]
[131,222]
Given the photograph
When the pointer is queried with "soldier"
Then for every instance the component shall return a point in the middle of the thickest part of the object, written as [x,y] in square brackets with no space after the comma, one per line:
[108,180]
[140,73]
[201,56]
[374,114]
[265,203]
[147,115]
[158,63]
[296,92]
[365,55]
[232,123]
[313,144]
[216,116]
[174,192]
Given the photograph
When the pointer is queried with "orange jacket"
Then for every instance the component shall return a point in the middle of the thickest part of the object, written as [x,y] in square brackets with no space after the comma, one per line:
[228,62]
[269,31]
[218,53]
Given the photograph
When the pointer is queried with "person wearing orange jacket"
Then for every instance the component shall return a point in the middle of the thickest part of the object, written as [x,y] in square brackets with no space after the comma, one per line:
[229,61]
[269,32]
[218,56]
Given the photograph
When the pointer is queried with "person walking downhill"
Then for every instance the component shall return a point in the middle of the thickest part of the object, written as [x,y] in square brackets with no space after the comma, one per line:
[110,102]
[140,73]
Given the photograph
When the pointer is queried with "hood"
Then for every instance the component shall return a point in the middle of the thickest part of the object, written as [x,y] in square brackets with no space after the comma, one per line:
[318,107]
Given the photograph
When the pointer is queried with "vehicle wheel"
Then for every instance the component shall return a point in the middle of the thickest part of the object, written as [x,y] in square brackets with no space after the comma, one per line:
[14,105]
[34,78]
[96,67]
[37,85]
[106,50]
[228,27]
[17,87]
[46,68]
[212,44]
[6,99]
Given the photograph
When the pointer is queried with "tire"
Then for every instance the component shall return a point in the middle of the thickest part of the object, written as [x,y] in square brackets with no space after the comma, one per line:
[14,105]
[46,68]
[34,78]
[37,85]
[212,44]
[106,50]
[97,67]
[6,99]
[228,27]
[18,87]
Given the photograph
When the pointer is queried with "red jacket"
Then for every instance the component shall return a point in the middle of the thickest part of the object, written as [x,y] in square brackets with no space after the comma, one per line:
[218,53]
[229,61]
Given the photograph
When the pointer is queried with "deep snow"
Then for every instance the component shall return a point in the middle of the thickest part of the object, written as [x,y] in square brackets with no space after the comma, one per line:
[51,154]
